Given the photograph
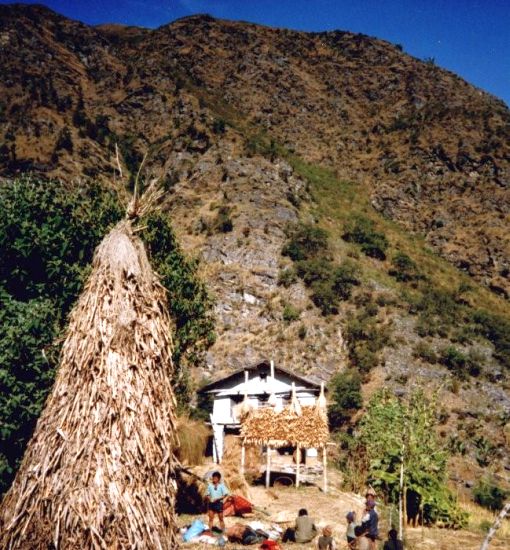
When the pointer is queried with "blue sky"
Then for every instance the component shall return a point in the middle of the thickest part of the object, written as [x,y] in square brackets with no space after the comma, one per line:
[469,37]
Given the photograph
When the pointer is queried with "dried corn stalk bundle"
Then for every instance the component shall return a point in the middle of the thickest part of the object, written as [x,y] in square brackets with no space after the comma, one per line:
[287,428]
[98,471]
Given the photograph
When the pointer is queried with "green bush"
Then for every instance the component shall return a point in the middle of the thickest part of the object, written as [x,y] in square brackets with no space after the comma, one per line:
[306,242]
[366,337]
[345,276]
[425,352]
[455,361]
[393,430]
[438,311]
[404,269]
[47,237]
[328,282]
[344,397]
[361,230]
[290,313]
[497,330]
[314,271]
[287,277]
[223,222]
[461,364]
[325,297]
[488,494]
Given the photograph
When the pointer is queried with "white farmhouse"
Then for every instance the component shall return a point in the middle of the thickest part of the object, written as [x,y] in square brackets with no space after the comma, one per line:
[263,384]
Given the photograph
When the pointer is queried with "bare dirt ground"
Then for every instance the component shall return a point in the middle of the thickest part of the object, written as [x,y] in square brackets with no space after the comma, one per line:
[331,508]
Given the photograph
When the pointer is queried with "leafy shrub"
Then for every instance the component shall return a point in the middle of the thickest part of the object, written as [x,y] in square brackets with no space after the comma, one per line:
[485,451]
[345,397]
[425,352]
[325,297]
[223,222]
[438,311]
[362,231]
[393,430]
[47,237]
[302,332]
[366,337]
[454,360]
[315,270]
[404,269]
[306,242]
[459,363]
[290,313]
[308,247]
[497,330]
[287,277]
[345,277]
[488,494]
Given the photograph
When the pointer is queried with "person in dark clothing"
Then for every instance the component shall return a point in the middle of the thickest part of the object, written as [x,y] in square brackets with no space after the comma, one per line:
[393,542]
[304,530]
[370,524]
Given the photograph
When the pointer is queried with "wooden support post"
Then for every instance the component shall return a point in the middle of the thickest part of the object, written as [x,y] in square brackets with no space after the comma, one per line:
[298,465]
[400,499]
[325,468]
[495,526]
[243,457]
[268,466]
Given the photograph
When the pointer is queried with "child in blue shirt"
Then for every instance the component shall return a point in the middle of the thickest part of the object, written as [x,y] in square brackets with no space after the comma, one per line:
[216,493]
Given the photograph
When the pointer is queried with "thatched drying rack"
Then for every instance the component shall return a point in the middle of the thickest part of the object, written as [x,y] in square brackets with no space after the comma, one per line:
[303,427]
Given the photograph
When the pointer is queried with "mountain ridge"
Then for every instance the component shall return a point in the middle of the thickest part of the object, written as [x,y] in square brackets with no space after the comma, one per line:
[353,103]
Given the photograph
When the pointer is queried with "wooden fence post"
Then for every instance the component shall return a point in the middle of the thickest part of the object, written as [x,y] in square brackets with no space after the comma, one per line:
[268,465]
[325,468]
[298,465]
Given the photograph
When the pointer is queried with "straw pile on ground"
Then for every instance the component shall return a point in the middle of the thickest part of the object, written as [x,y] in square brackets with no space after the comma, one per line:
[287,428]
[236,481]
[193,436]
[99,469]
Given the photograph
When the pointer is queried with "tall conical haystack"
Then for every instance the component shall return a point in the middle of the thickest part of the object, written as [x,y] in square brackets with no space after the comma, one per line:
[98,471]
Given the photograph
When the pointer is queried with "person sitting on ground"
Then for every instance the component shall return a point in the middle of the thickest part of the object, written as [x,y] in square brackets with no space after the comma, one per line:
[393,542]
[370,524]
[304,531]
[351,524]
[216,493]
[326,540]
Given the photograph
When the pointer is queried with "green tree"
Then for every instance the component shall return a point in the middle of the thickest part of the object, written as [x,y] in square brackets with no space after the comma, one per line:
[345,397]
[361,230]
[306,242]
[47,237]
[395,431]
